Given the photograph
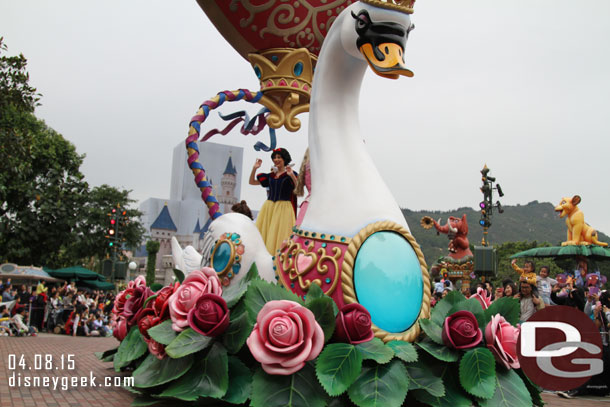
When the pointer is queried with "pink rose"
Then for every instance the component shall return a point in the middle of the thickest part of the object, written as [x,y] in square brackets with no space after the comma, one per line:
[210,315]
[461,331]
[483,297]
[196,284]
[285,336]
[156,349]
[353,324]
[501,338]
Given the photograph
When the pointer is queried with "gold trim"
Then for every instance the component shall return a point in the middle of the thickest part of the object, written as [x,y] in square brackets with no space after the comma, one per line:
[404,6]
[232,260]
[347,278]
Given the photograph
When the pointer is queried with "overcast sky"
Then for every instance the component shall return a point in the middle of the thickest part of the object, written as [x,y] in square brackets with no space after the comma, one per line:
[523,86]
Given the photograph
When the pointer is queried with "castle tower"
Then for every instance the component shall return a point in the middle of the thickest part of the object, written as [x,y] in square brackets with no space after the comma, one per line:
[162,230]
[228,181]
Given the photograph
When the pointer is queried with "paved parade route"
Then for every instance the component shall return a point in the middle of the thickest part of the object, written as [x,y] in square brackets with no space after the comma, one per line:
[85,365]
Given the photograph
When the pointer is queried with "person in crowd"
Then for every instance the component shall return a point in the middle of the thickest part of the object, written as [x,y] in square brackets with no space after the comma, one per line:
[575,296]
[529,300]
[41,288]
[544,283]
[5,321]
[8,294]
[20,319]
[277,215]
[510,289]
[499,293]
[438,285]
[527,273]
[466,292]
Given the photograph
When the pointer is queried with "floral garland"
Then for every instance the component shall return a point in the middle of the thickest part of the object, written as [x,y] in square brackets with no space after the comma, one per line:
[256,343]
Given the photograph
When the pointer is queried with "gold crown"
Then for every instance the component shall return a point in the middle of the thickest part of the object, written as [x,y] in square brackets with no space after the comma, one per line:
[285,75]
[284,69]
[405,6]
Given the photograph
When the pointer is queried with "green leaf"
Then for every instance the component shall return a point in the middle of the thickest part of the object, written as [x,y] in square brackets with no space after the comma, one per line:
[478,372]
[432,330]
[261,292]
[381,385]
[153,372]
[375,350]
[404,350]
[236,334]
[233,293]
[240,382]
[472,305]
[103,355]
[209,377]
[315,293]
[440,310]
[440,352]
[179,275]
[338,366]
[532,388]
[454,394]
[322,309]
[420,377]
[508,307]
[510,391]
[132,347]
[186,343]
[156,286]
[300,389]
[163,333]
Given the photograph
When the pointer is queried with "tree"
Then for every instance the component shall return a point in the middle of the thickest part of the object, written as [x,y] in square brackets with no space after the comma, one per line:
[48,215]
[152,247]
[92,228]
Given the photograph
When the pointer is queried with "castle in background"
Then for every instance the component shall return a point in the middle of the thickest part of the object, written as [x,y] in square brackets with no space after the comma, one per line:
[184,215]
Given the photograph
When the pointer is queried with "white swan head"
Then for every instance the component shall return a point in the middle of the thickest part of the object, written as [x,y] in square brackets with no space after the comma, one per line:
[378,36]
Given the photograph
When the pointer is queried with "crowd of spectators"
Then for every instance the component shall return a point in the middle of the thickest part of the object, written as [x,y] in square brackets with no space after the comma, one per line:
[537,291]
[60,309]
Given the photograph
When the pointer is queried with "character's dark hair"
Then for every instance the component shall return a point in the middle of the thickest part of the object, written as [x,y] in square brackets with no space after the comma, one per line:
[282,152]
[242,207]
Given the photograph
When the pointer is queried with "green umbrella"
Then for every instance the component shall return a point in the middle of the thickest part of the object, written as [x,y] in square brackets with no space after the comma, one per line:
[590,251]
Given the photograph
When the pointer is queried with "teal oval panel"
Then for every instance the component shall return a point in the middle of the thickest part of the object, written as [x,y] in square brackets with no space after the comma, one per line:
[388,281]
[222,256]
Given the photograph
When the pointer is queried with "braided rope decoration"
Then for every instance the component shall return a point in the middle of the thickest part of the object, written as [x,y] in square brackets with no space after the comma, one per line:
[347,277]
[191,142]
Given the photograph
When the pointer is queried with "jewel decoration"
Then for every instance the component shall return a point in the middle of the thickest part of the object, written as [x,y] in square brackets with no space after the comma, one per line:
[226,257]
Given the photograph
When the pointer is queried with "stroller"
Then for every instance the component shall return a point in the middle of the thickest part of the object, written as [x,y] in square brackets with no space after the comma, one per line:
[55,318]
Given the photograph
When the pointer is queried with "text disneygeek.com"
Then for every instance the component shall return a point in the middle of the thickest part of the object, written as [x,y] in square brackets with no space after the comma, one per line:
[21,367]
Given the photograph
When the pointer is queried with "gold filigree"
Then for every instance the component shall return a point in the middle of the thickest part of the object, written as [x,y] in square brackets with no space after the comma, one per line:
[347,277]
[323,268]
[289,265]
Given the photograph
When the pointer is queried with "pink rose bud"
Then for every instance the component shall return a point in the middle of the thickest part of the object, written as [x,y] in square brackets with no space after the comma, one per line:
[353,324]
[461,330]
[210,316]
[501,338]
[483,297]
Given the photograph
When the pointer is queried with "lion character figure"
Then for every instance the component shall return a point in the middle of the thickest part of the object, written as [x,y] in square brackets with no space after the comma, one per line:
[578,231]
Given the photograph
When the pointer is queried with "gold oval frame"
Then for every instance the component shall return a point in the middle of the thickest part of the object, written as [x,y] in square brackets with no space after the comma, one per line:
[229,265]
[347,278]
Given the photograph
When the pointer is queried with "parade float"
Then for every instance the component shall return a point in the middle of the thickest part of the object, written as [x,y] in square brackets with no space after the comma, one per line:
[340,315]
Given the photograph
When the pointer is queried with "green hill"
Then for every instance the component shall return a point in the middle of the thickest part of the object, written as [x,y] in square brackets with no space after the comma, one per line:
[535,221]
